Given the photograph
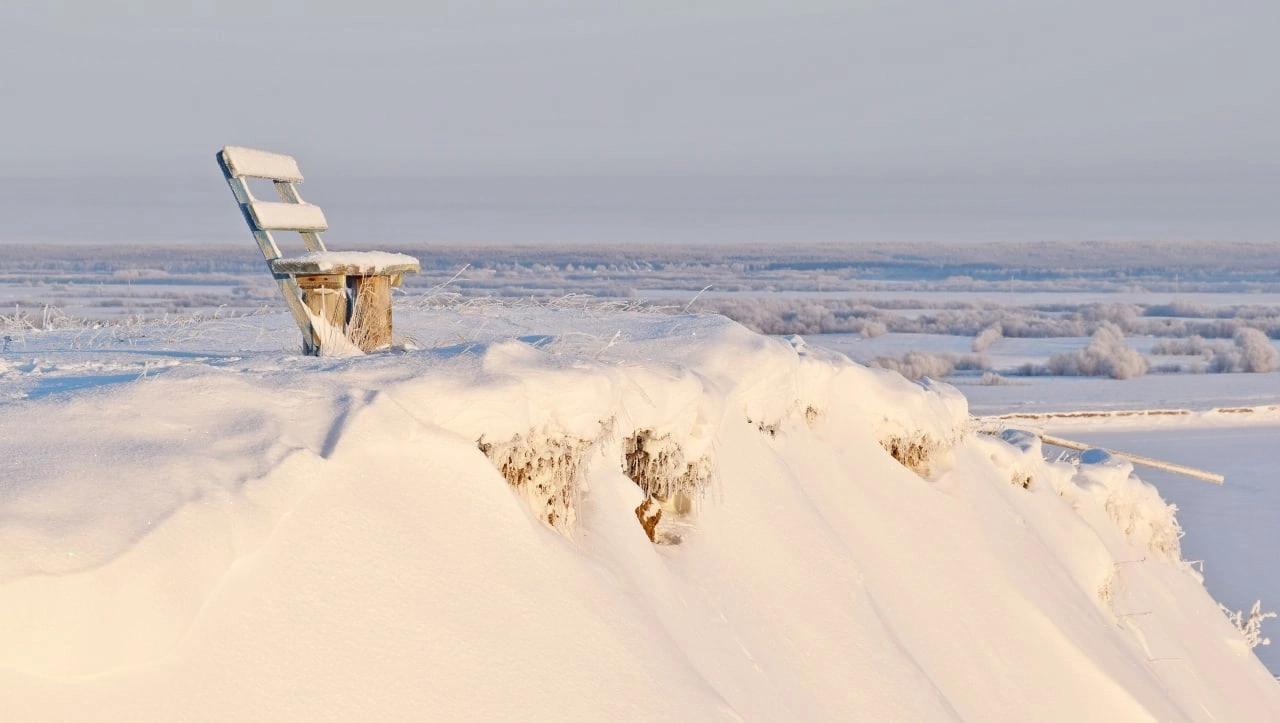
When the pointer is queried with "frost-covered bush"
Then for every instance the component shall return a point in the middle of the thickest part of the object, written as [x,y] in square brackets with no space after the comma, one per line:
[1122,315]
[872,329]
[1193,346]
[1135,506]
[986,338]
[657,464]
[1107,355]
[1253,352]
[672,484]
[916,452]
[916,365]
[544,468]
[799,316]
[1256,352]
[984,321]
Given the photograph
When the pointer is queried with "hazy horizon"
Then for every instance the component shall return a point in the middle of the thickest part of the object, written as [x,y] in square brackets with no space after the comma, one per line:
[658,122]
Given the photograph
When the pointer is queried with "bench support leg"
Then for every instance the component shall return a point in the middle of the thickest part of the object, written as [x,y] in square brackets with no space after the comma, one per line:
[325,297]
[370,325]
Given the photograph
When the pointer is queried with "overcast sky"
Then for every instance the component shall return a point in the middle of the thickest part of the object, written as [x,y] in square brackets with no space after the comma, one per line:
[656,120]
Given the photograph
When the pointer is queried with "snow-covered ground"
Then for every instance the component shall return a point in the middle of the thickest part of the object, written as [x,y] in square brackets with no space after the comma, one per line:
[1234,528]
[200,522]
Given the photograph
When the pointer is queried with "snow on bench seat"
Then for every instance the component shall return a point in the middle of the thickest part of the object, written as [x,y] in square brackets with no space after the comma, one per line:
[347,263]
[254,163]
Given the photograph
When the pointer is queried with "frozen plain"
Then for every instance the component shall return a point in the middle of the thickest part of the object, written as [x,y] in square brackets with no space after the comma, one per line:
[82,370]
[203,510]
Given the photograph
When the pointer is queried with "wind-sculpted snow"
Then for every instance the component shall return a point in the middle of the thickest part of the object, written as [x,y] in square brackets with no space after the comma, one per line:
[244,532]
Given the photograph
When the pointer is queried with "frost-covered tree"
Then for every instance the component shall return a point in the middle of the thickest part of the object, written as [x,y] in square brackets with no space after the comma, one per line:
[1106,356]
[987,337]
[1253,352]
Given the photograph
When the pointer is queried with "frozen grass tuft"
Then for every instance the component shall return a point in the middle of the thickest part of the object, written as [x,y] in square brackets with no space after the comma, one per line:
[915,452]
[1250,627]
[672,483]
[1134,506]
[544,468]
[48,318]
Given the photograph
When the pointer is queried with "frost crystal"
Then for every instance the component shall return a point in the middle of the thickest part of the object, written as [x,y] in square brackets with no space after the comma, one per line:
[1251,627]
[543,467]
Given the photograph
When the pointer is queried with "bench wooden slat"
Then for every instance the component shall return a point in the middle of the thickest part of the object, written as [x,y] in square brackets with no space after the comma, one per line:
[254,163]
[277,216]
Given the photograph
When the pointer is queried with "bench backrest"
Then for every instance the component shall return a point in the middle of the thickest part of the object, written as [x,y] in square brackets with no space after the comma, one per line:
[290,213]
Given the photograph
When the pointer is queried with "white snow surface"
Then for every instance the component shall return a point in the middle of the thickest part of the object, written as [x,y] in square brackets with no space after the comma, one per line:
[275,215]
[199,523]
[261,164]
[367,261]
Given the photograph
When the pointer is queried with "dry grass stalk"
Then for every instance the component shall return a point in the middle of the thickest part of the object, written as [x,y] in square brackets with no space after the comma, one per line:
[915,452]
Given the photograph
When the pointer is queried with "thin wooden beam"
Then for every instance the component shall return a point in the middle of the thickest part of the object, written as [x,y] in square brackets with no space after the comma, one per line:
[1211,477]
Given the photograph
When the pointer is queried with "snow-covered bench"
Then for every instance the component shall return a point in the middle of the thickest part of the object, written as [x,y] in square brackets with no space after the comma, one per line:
[339,299]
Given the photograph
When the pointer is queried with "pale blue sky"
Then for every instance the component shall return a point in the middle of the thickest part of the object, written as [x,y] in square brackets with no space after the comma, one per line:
[935,118]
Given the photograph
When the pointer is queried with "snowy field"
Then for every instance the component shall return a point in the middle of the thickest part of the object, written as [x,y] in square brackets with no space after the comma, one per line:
[934,579]
[459,527]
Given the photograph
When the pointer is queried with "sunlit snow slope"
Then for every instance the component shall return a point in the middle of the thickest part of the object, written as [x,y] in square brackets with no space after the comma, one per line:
[199,523]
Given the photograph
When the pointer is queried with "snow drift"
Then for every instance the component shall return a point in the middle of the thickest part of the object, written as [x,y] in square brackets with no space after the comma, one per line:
[463,533]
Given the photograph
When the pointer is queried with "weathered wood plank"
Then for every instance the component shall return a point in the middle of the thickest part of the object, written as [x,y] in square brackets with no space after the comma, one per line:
[326,298]
[370,324]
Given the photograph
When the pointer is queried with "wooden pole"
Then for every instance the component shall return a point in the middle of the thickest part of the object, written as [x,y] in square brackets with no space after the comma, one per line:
[1199,474]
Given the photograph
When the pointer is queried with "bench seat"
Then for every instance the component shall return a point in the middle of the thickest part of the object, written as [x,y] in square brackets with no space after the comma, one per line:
[346,263]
